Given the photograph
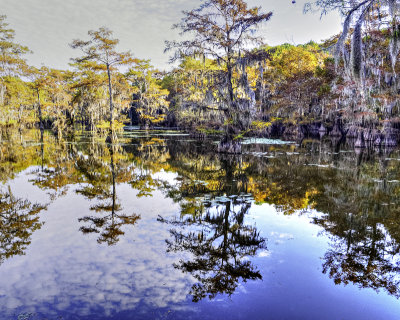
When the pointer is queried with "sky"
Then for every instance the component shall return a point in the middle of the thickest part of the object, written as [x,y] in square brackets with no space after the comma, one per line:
[142,26]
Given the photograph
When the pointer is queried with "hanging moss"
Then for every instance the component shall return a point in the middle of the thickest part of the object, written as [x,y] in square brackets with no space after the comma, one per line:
[356,50]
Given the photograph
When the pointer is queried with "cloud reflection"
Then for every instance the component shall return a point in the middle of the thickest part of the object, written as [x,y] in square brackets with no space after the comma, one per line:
[64,272]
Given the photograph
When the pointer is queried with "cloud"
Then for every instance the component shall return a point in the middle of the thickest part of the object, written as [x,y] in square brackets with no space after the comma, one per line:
[48,26]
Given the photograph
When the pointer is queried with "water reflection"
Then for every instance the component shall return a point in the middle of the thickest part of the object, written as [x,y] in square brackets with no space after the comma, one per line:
[19,219]
[55,169]
[108,221]
[360,207]
[212,227]
[362,251]
[202,201]
[221,245]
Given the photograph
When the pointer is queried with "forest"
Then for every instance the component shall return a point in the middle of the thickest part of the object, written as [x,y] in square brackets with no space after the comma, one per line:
[225,82]
[247,180]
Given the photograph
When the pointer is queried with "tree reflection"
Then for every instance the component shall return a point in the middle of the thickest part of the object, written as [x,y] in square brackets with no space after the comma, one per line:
[57,166]
[356,194]
[107,222]
[221,244]
[17,153]
[19,219]
[362,252]
[360,207]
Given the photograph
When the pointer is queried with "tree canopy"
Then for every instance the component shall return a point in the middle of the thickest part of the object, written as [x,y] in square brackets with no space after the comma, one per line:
[223,30]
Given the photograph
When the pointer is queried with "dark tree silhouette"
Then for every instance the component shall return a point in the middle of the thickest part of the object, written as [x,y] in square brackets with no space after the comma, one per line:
[362,252]
[221,245]
[19,219]
[109,225]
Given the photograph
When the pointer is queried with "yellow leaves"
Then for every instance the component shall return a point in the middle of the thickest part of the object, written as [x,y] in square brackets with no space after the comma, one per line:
[12,62]
[289,61]
[260,125]
[153,141]
[195,96]
[193,64]
[213,185]
[101,48]
[117,125]
[228,122]
[294,61]
[8,122]
[286,201]
[153,119]
[308,196]
[254,11]
[252,75]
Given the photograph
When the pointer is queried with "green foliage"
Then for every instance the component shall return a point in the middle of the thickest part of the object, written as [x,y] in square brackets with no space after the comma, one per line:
[218,85]
[150,98]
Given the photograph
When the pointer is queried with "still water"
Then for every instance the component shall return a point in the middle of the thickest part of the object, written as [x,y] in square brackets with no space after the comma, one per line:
[158,226]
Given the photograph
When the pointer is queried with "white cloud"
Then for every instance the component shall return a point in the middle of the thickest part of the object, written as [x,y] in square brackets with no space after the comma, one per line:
[47,26]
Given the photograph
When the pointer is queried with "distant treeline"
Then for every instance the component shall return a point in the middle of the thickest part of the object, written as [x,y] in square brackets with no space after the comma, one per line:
[295,89]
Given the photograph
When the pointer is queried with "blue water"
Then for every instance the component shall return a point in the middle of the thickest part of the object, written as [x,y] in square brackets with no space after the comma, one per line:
[65,274]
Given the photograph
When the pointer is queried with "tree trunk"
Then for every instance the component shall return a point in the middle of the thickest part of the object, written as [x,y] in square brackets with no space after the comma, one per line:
[41,127]
[229,145]
[2,93]
[230,86]
[113,180]
[226,232]
[111,133]
[42,148]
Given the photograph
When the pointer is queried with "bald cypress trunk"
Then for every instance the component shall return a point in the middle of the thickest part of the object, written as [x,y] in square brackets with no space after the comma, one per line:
[41,126]
[228,143]
[110,136]
[2,93]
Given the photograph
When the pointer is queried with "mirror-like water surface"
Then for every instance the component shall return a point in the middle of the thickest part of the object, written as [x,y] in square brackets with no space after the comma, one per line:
[158,226]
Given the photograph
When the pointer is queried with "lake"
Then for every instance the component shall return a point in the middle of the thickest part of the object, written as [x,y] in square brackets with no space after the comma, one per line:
[159,226]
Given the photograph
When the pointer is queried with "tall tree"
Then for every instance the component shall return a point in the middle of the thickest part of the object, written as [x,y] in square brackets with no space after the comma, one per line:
[40,80]
[90,97]
[60,99]
[223,30]
[101,48]
[12,62]
[149,97]
[11,54]
[357,13]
